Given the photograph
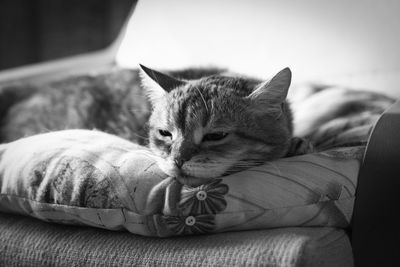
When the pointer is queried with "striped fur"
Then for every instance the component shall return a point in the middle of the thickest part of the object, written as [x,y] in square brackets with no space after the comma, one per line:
[253,115]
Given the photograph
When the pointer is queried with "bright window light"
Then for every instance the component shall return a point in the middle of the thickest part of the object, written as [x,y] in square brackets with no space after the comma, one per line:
[317,39]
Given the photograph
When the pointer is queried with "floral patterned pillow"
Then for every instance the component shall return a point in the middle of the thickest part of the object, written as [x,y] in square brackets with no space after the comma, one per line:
[93,178]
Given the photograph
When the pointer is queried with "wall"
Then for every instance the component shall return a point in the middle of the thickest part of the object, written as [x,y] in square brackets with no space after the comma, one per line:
[345,42]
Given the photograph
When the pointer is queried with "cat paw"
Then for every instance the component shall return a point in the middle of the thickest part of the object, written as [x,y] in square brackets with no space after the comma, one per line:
[299,146]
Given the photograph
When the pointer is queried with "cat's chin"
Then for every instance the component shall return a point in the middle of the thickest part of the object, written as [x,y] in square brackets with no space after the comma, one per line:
[189,173]
[187,179]
[192,181]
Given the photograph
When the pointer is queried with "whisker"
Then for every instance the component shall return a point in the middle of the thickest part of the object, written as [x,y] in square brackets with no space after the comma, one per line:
[140,136]
[202,97]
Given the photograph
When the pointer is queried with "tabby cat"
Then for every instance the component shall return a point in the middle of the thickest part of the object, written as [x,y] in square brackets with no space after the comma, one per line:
[201,123]
[218,124]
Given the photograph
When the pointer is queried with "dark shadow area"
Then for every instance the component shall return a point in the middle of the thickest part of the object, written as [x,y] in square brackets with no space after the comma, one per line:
[38,30]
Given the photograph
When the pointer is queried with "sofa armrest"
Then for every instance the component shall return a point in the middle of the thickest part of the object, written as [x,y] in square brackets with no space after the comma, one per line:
[376,220]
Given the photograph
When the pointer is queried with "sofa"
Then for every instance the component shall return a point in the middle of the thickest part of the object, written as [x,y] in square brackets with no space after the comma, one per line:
[372,239]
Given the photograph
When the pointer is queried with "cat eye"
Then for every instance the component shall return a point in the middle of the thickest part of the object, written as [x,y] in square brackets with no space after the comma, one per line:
[214,136]
[165,133]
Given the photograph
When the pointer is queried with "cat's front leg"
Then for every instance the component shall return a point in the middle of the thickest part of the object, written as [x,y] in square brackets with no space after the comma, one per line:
[299,146]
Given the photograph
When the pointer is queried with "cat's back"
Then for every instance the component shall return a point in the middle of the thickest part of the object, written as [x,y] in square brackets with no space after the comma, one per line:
[83,102]
[113,102]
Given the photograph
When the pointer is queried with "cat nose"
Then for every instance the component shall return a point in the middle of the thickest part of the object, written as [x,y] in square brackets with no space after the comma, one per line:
[182,153]
[179,162]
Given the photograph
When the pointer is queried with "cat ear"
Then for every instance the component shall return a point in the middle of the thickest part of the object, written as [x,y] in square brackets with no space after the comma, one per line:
[158,84]
[272,94]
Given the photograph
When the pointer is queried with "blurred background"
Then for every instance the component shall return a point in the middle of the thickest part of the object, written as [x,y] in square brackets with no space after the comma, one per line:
[32,31]
[352,43]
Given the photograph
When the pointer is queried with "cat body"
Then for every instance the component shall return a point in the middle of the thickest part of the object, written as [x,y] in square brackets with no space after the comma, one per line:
[203,124]
[113,102]
[212,123]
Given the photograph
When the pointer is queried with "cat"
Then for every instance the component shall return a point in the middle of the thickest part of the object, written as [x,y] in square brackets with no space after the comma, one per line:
[202,123]
[218,124]
[116,102]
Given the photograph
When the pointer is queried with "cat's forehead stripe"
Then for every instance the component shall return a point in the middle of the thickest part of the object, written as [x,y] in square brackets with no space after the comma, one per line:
[178,112]
[196,103]
[188,110]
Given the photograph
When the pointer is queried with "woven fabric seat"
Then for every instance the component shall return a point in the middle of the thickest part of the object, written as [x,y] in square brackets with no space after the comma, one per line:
[29,242]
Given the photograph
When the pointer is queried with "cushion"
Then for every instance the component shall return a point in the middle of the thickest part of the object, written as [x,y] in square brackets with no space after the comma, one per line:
[92,178]
[29,242]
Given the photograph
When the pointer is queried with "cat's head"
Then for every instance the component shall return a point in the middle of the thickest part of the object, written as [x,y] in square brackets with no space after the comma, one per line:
[216,125]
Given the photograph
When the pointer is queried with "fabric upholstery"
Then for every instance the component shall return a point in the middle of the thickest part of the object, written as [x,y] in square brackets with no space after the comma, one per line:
[29,242]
